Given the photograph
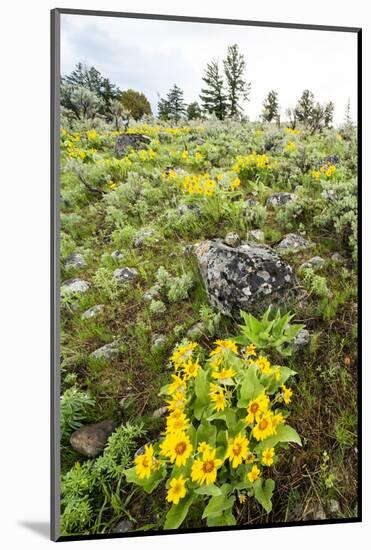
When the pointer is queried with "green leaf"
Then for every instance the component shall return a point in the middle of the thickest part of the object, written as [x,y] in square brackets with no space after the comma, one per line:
[148,484]
[206,432]
[210,490]
[250,387]
[178,512]
[263,491]
[285,434]
[202,387]
[227,518]
[218,504]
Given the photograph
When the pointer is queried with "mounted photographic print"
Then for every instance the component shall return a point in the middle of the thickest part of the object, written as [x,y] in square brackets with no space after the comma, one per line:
[205,228]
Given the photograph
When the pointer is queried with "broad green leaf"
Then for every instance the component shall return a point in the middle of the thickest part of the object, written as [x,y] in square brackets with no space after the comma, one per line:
[217,505]
[285,434]
[250,387]
[210,490]
[148,484]
[227,518]
[263,491]
[178,512]
[206,432]
[202,387]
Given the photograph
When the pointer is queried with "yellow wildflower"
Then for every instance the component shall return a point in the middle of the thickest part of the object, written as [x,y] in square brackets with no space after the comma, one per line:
[217,396]
[264,365]
[182,354]
[264,427]
[242,499]
[254,474]
[287,394]
[190,369]
[144,463]
[205,470]
[268,456]
[177,447]
[256,407]
[204,447]
[177,490]
[224,374]
[237,449]
[177,423]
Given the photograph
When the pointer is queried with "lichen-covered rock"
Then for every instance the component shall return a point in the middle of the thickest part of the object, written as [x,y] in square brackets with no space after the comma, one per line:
[74,286]
[124,142]
[330,195]
[256,235]
[196,331]
[315,263]
[158,341]
[152,293]
[232,239]
[93,311]
[279,199]
[126,274]
[293,242]
[249,277]
[74,261]
[107,352]
[301,340]
[90,440]
[117,255]
[141,237]
[123,526]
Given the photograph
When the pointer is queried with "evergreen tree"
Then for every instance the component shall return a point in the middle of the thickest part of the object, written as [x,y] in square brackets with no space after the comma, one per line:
[314,116]
[237,86]
[304,107]
[163,109]
[193,111]
[213,97]
[270,107]
[175,99]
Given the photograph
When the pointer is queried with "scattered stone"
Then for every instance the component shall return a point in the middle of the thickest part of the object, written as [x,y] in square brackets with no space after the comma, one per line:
[319,512]
[293,242]
[108,351]
[232,239]
[187,208]
[160,413]
[315,263]
[93,311]
[142,449]
[337,258]
[73,286]
[331,159]
[152,294]
[90,440]
[197,331]
[249,203]
[75,261]
[123,526]
[124,142]
[249,277]
[334,507]
[301,340]
[279,199]
[141,237]
[126,274]
[117,255]
[256,235]
[158,341]
[330,195]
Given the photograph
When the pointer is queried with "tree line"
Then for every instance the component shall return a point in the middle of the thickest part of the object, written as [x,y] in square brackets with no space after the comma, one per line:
[85,93]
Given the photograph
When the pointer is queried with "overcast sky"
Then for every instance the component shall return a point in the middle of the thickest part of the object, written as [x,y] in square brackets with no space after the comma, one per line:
[150,56]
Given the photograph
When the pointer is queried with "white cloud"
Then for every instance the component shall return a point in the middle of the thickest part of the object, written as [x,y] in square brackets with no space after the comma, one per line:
[152,55]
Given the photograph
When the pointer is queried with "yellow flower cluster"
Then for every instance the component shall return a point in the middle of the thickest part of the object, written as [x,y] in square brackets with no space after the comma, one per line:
[261,162]
[325,171]
[290,147]
[291,131]
[197,461]
[198,184]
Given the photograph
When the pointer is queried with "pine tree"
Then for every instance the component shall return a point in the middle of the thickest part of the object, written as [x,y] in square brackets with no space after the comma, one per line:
[314,116]
[270,107]
[175,99]
[237,86]
[193,111]
[213,97]
[163,109]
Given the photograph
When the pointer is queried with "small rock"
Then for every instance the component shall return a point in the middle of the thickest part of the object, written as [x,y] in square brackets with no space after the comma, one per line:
[301,339]
[73,286]
[337,258]
[293,242]
[249,203]
[315,263]
[160,413]
[279,199]
[124,142]
[75,260]
[256,235]
[197,331]
[142,449]
[334,506]
[117,255]
[141,237]
[329,195]
[90,440]
[232,239]
[123,526]
[126,274]
[158,341]
[152,293]
[319,513]
[93,311]
[187,208]
[108,351]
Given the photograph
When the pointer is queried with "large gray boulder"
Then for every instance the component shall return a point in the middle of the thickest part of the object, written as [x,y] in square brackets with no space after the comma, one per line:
[125,142]
[249,277]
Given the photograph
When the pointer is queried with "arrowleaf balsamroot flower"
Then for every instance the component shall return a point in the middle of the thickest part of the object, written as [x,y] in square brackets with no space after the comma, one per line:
[264,427]
[257,407]
[144,463]
[177,447]
[204,470]
[237,449]
[177,489]
[268,456]
[287,394]
[254,474]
